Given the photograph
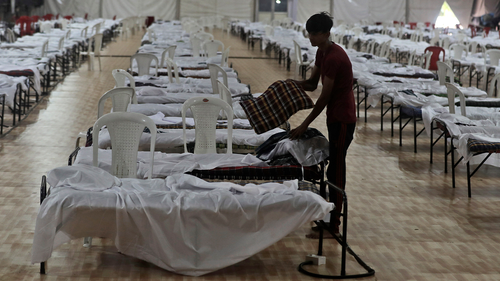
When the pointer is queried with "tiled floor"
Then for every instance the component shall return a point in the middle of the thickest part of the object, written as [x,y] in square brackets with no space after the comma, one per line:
[405,219]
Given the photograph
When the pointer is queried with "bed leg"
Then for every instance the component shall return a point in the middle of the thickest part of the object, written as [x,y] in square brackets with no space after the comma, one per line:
[445,155]
[382,113]
[42,268]
[414,134]
[432,144]
[468,180]
[400,128]
[452,164]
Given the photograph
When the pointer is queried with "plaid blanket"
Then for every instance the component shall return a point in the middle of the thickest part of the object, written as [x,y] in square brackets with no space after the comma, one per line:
[478,146]
[280,101]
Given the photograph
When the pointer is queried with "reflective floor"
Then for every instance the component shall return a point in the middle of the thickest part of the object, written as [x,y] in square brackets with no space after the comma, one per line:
[405,220]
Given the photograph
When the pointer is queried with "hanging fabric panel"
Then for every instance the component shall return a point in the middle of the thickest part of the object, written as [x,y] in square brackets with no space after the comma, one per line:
[462,10]
[307,8]
[241,9]
[425,10]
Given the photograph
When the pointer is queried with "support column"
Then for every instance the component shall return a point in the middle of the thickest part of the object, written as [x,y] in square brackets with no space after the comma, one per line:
[178,9]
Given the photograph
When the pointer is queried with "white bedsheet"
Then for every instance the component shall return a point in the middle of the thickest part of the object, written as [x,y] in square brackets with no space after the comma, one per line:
[182,224]
[175,110]
[167,164]
[172,138]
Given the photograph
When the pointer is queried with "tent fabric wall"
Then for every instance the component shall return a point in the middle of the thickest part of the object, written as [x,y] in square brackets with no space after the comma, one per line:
[354,11]
[196,8]
[425,11]
[462,10]
[164,9]
[307,8]
[69,7]
[241,9]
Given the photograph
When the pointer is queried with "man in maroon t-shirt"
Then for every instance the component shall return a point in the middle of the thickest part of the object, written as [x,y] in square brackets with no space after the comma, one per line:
[335,70]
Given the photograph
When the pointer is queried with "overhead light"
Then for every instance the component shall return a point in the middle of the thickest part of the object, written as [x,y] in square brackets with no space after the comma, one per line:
[278,1]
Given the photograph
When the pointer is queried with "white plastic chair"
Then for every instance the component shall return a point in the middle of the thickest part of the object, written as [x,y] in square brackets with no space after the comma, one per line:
[46,27]
[204,36]
[96,28]
[444,43]
[196,45]
[300,65]
[385,49]
[125,130]
[172,66]
[205,114]
[458,51]
[151,34]
[225,57]
[144,63]
[84,32]
[452,91]
[411,59]
[214,76]
[444,70]
[11,37]
[120,99]
[97,39]
[168,52]
[225,94]
[495,82]
[494,56]
[357,31]
[211,47]
[60,44]
[45,48]
[353,40]
[427,59]
[121,77]
[472,47]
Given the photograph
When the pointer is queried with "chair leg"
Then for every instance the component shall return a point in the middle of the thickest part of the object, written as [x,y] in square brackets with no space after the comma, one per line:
[99,58]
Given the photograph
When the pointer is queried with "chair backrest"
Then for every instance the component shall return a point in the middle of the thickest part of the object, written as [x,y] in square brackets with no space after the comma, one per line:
[120,99]
[11,37]
[121,77]
[357,31]
[97,39]
[60,45]
[269,30]
[225,94]
[84,32]
[411,58]
[452,90]
[436,51]
[298,52]
[225,57]
[214,76]
[45,27]
[385,49]
[151,34]
[494,85]
[172,66]
[168,52]
[353,40]
[144,63]
[445,43]
[494,56]
[211,47]
[45,49]
[205,114]
[460,37]
[96,28]
[425,61]
[472,46]
[444,70]
[196,45]
[125,130]
[458,51]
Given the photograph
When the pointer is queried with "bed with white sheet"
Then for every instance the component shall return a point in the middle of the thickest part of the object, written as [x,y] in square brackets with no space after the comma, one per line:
[182,223]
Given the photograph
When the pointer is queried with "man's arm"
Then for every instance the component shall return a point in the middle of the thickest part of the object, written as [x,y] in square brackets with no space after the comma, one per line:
[312,83]
[322,101]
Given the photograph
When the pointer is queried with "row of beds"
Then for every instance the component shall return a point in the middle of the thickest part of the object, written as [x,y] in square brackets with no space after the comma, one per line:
[191,217]
[412,94]
[27,72]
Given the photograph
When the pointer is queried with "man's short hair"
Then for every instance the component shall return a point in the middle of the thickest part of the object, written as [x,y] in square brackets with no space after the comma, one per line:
[319,23]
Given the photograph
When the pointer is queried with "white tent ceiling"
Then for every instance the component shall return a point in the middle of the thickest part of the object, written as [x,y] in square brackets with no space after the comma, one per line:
[346,10]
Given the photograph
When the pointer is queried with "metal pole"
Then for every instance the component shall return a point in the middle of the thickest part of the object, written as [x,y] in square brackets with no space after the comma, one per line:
[272,9]
[407,14]
[178,9]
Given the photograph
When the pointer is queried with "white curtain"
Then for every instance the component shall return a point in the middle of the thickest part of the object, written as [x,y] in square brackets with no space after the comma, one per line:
[164,9]
[69,7]
[462,10]
[196,8]
[354,11]
[307,8]
[241,9]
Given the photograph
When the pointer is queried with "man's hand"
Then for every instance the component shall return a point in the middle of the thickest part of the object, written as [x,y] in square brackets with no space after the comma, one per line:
[298,132]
